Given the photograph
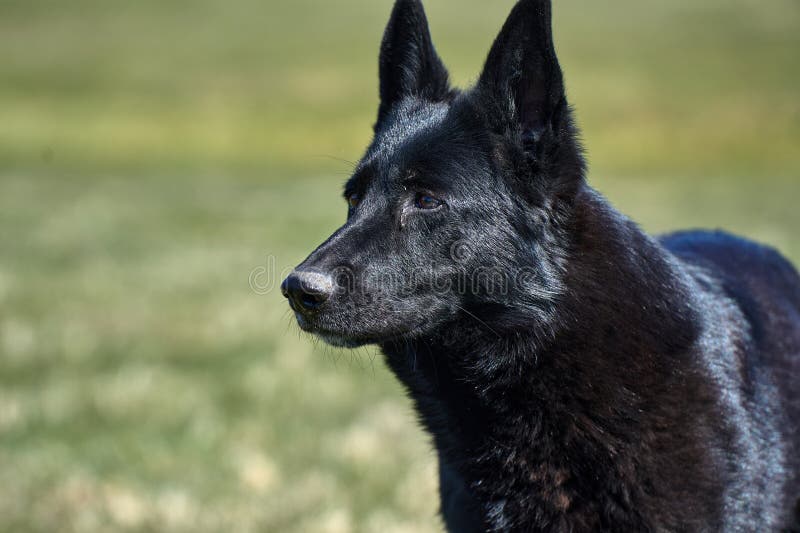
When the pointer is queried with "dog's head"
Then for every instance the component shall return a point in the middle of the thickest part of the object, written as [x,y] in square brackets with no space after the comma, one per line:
[459,204]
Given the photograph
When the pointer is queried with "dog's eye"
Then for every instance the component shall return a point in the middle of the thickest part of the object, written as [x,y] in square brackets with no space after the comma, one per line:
[427,202]
[353,200]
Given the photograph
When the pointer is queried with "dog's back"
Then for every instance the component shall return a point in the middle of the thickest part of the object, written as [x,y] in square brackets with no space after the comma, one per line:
[752,299]
[766,288]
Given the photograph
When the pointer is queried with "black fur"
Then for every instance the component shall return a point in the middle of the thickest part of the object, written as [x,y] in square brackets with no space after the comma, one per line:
[575,373]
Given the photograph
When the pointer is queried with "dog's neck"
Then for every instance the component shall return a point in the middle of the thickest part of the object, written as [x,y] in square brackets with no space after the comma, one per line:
[545,422]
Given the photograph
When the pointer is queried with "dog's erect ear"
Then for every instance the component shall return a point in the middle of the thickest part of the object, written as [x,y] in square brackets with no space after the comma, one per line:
[522,76]
[409,65]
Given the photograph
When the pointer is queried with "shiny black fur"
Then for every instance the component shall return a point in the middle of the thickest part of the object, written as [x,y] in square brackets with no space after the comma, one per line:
[613,381]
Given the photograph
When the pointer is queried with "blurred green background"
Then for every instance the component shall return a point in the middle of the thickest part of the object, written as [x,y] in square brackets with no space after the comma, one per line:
[154,154]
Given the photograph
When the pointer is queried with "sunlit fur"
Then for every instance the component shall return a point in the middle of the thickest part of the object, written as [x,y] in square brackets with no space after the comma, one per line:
[625,382]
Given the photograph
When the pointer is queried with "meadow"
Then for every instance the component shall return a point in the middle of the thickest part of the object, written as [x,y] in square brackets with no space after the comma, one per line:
[157,157]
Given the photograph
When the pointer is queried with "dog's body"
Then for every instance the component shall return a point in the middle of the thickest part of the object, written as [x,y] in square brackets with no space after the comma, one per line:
[667,404]
[576,374]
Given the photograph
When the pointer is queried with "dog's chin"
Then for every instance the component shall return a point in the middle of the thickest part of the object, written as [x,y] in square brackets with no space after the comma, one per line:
[340,339]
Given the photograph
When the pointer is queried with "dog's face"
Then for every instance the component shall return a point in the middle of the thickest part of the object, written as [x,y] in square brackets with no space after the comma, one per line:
[455,206]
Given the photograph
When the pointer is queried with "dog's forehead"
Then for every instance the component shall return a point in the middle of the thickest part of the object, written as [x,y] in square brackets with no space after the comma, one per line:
[410,119]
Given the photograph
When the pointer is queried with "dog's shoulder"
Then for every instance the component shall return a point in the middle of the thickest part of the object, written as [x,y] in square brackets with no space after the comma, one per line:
[765,289]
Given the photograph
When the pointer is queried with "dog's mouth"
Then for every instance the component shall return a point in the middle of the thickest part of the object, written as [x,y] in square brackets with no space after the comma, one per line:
[355,339]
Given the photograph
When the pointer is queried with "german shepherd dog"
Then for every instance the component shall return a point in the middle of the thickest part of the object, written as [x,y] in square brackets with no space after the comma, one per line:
[575,373]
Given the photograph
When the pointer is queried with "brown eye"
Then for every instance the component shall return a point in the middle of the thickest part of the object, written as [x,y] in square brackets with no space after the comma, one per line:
[353,200]
[427,202]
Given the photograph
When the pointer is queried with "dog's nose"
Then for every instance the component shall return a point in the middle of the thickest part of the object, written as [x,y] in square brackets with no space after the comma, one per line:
[307,291]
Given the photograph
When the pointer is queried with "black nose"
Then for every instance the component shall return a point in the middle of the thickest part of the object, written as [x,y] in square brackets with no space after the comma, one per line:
[307,291]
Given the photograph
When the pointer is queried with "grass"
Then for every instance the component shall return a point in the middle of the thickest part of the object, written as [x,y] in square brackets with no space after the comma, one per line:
[155,154]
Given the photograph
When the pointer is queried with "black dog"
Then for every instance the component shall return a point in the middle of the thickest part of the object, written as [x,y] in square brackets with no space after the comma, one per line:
[575,373]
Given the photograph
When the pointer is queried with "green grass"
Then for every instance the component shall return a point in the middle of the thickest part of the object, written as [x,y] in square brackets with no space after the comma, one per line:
[154,154]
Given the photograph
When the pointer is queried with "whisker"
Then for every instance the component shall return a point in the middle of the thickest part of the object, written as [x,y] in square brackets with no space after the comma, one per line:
[480,321]
[352,164]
